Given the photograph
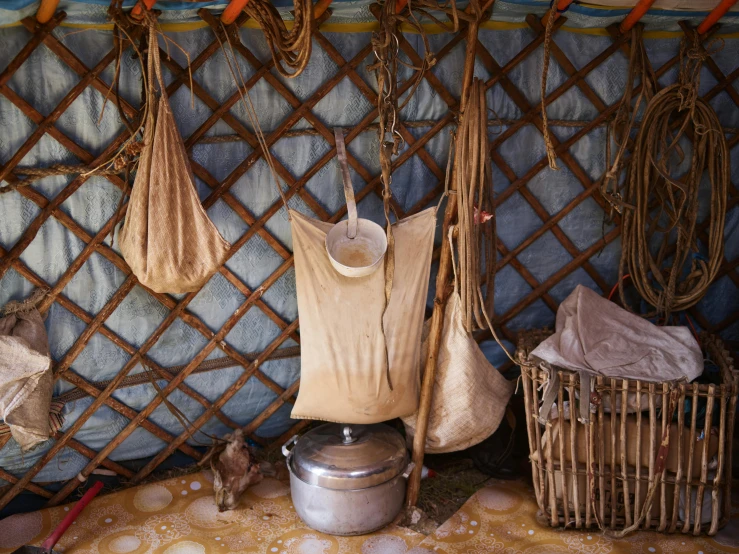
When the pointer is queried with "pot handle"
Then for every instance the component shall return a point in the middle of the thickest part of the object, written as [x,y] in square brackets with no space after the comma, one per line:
[285,451]
[408,470]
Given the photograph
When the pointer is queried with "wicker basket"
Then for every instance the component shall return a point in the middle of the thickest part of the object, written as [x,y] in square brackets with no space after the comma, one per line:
[621,446]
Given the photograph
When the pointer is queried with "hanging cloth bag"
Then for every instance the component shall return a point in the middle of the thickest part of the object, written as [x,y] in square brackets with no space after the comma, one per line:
[26,380]
[359,358]
[470,394]
[167,239]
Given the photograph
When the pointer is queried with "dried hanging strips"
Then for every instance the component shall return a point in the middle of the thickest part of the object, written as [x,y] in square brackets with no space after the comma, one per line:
[670,272]
[473,177]
[290,48]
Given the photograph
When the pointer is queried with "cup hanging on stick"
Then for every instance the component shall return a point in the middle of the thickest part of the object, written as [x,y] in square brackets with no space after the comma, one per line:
[355,246]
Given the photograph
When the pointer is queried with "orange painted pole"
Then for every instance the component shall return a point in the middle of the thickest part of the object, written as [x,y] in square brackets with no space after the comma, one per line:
[717,13]
[320,8]
[399,5]
[232,11]
[635,15]
[46,10]
[561,6]
[138,10]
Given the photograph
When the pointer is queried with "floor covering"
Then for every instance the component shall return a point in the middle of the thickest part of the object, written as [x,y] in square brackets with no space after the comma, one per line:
[179,516]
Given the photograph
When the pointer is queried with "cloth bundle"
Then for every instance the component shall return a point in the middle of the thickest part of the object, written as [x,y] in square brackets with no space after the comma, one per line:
[595,337]
[26,380]
[167,239]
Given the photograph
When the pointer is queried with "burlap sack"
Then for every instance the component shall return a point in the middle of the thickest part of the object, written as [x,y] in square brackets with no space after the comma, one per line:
[470,395]
[26,380]
[344,375]
[167,239]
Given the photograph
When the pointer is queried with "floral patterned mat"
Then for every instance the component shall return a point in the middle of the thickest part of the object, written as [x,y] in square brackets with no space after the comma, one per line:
[179,516]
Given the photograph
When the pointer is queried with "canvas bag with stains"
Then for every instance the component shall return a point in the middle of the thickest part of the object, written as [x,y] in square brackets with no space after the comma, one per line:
[344,373]
[360,356]
[168,240]
[26,380]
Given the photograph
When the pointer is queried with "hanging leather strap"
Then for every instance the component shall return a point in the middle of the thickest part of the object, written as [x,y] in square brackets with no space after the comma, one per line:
[351,205]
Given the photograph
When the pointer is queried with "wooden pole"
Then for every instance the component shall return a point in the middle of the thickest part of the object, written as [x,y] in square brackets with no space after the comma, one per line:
[442,281]
[635,15]
[232,11]
[46,10]
[718,12]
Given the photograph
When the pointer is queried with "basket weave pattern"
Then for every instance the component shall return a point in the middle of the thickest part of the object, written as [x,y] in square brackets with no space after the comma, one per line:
[621,445]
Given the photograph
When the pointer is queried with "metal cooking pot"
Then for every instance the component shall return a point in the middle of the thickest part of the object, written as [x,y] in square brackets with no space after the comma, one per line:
[348,480]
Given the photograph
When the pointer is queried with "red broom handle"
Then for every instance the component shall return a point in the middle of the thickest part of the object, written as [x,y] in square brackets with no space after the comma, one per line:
[57,533]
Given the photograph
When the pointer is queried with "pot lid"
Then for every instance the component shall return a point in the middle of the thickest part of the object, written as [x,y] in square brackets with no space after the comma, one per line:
[345,457]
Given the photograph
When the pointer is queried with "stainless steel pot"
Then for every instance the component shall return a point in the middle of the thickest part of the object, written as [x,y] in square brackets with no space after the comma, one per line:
[348,479]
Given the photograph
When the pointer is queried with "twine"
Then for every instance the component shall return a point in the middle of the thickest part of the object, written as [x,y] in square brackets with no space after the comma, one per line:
[27,305]
[548,144]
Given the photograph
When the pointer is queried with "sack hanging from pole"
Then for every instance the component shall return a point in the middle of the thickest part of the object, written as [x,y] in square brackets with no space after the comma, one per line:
[352,371]
[470,394]
[168,240]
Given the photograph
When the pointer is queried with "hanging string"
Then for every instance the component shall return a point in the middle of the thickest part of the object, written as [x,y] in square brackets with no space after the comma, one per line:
[250,110]
[475,228]
[291,49]
[672,274]
[619,130]
[548,30]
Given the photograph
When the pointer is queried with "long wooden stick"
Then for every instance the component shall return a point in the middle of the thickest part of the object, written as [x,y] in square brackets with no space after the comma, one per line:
[437,317]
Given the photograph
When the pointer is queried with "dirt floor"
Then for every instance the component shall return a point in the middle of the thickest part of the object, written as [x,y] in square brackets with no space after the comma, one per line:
[455,482]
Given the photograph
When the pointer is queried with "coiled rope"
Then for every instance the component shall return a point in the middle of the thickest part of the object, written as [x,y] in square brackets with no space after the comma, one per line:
[669,272]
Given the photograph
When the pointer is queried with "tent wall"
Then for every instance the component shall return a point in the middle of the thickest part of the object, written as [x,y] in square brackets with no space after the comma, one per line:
[552,225]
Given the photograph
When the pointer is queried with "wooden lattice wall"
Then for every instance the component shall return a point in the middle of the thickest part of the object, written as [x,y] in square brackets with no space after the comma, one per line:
[41,37]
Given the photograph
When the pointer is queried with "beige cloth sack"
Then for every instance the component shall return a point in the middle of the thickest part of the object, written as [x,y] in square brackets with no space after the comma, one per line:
[26,380]
[470,395]
[344,376]
[167,239]
[646,450]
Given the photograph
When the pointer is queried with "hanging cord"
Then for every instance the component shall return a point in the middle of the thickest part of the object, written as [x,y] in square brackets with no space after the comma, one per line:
[548,29]
[619,130]
[473,180]
[474,188]
[178,414]
[290,49]
[386,46]
[249,107]
[659,267]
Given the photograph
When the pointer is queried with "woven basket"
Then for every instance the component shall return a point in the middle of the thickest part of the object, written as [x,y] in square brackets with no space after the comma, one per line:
[620,445]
